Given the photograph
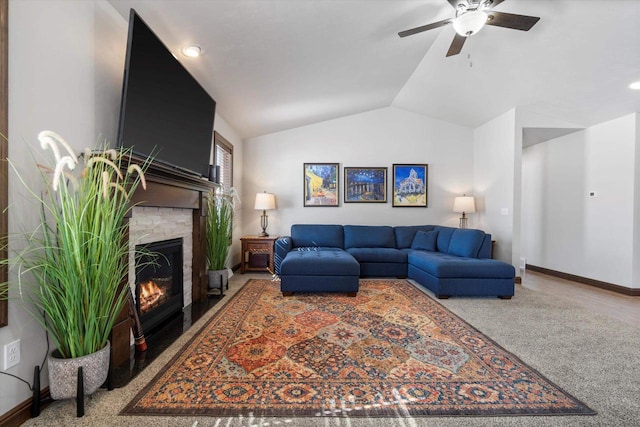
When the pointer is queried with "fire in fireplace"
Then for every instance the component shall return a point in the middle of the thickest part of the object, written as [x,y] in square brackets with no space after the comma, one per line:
[159,285]
[154,293]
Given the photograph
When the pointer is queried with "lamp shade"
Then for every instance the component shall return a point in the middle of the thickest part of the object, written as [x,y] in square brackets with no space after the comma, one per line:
[464,204]
[470,23]
[265,202]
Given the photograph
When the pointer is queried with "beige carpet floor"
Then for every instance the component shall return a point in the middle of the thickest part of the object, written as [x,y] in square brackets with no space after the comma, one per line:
[591,356]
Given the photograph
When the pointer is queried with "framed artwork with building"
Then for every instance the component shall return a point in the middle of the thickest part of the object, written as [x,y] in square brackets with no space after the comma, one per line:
[410,185]
[365,185]
[321,184]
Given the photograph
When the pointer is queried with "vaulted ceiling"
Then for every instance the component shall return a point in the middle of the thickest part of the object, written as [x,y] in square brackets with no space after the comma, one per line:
[273,65]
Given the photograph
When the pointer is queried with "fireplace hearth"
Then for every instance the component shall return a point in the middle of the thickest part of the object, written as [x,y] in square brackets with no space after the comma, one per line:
[159,282]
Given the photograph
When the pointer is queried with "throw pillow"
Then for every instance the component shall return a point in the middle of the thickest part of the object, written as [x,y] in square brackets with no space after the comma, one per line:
[425,240]
[466,242]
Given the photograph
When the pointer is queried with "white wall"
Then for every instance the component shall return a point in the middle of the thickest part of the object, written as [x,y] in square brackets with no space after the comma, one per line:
[494,169]
[526,119]
[566,230]
[64,75]
[376,138]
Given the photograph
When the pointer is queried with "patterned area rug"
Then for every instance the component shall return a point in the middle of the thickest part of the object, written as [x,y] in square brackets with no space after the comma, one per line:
[390,351]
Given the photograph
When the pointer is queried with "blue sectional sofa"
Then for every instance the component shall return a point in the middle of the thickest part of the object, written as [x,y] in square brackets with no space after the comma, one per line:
[448,261]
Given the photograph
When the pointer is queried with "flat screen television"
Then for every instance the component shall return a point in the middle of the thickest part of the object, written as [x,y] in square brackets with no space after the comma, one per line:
[164,110]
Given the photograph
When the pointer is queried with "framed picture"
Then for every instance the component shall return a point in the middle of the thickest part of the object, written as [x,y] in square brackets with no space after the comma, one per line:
[365,185]
[321,186]
[410,185]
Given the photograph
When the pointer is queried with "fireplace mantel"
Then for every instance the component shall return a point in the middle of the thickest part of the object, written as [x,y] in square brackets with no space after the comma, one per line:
[168,187]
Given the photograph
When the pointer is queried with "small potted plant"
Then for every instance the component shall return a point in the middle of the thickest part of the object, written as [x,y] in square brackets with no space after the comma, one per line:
[75,264]
[220,212]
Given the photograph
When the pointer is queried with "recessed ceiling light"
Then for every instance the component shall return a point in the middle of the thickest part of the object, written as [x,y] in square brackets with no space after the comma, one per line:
[192,51]
[635,85]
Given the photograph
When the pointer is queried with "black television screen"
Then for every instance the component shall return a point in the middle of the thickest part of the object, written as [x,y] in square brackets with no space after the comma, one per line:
[164,110]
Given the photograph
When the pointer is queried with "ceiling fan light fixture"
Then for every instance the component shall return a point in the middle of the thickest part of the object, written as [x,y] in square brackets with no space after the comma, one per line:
[470,22]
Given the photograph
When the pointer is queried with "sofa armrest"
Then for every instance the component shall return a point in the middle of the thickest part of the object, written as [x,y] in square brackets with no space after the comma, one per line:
[485,248]
[283,245]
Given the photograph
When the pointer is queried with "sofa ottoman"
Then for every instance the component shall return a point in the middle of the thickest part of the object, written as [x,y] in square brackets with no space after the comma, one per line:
[312,259]
[319,269]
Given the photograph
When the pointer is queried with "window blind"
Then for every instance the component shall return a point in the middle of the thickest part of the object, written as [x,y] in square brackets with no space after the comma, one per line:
[224,159]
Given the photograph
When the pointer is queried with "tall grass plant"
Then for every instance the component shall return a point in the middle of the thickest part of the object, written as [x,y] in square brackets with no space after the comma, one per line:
[79,253]
[221,209]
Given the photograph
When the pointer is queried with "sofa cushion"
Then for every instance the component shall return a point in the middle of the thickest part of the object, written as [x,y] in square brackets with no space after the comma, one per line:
[378,255]
[446,266]
[320,262]
[369,236]
[425,240]
[406,233]
[466,242]
[444,237]
[310,235]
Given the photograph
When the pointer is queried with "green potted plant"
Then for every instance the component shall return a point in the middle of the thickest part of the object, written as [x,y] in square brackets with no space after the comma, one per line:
[75,264]
[220,212]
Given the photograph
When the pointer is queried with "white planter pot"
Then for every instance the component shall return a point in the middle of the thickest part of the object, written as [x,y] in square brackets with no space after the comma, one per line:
[63,373]
[218,279]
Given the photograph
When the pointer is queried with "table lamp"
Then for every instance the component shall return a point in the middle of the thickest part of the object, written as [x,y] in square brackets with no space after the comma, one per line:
[464,205]
[264,202]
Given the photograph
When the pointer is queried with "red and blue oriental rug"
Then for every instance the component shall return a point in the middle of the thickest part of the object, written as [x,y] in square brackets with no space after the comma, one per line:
[390,351]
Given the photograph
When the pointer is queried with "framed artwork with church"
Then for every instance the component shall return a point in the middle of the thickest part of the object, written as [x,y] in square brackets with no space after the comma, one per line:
[410,185]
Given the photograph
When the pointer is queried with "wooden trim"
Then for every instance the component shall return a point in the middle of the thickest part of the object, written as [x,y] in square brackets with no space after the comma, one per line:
[222,141]
[162,195]
[4,150]
[586,281]
[22,412]
[199,279]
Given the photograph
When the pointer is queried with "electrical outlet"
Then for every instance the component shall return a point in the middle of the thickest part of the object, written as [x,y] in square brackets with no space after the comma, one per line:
[11,354]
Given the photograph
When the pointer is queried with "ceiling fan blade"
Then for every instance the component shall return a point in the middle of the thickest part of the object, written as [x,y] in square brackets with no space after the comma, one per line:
[494,3]
[431,26]
[456,45]
[510,20]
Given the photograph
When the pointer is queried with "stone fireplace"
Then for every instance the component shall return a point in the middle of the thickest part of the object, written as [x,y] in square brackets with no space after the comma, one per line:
[150,225]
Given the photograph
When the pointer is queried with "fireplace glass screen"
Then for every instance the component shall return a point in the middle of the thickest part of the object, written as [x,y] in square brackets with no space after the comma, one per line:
[159,284]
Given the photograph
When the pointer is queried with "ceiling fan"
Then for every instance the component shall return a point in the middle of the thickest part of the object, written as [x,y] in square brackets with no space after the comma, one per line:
[471,16]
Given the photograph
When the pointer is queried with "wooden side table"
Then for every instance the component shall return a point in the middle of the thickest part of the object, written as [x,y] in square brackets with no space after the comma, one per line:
[257,253]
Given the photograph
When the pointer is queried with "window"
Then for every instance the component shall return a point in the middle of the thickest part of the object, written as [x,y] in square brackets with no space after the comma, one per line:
[223,158]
